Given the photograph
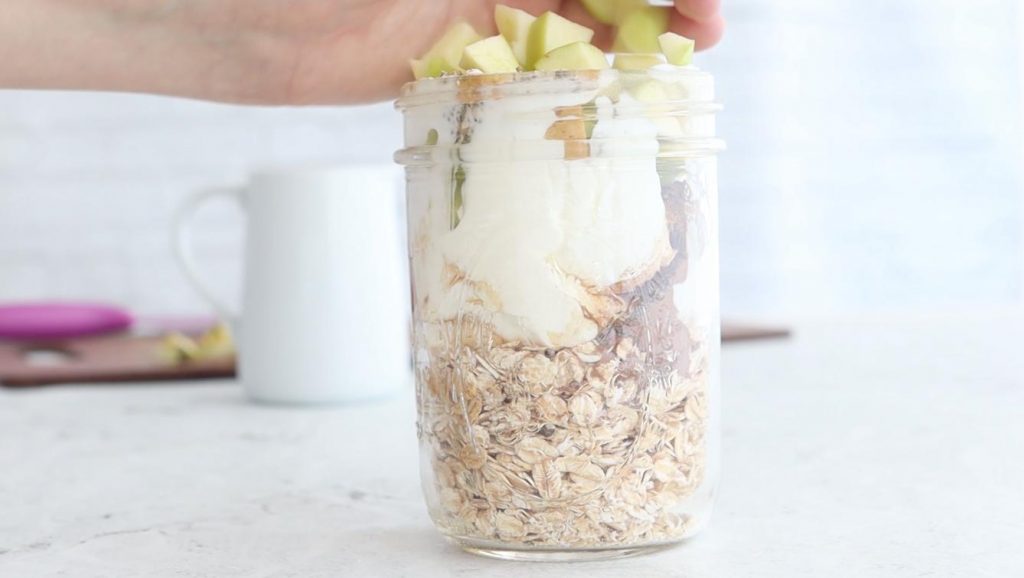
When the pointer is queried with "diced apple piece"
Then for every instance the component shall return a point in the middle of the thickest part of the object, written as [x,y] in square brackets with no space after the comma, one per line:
[178,348]
[677,91]
[575,56]
[449,48]
[677,48]
[430,66]
[631,61]
[419,68]
[446,53]
[603,11]
[624,7]
[551,31]
[514,25]
[656,98]
[639,30]
[490,55]
[216,342]
[611,11]
[649,91]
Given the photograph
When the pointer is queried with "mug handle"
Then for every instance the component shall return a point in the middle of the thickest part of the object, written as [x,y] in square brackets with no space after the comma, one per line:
[181,241]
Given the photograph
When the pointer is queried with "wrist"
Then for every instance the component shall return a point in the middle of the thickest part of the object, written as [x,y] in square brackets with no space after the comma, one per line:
[125,45]
[54,44]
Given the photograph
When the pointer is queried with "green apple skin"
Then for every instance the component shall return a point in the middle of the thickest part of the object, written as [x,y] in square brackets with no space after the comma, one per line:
[446,54]
[575,56]
[649,91]
[637,61]
[611,11]
[430,67]
[604,11]
[551,31]
[677,49]
[639,30]
[514,25]
[491,55]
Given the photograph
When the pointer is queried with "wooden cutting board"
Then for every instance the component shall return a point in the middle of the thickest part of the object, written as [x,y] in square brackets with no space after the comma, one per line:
[117,358]
[125,358]
[745,332]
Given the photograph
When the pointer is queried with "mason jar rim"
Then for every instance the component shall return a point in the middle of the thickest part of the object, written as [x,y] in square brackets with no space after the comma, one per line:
[483,87]
[695,101]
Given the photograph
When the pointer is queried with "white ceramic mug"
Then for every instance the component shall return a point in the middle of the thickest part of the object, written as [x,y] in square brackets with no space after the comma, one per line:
[324,308]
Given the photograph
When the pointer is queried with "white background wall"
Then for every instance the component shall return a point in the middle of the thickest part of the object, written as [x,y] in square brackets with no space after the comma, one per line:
[874,164]
[88,184]
[875,155]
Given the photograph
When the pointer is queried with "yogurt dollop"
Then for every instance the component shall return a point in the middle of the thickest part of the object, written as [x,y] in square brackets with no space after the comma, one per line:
[540,245]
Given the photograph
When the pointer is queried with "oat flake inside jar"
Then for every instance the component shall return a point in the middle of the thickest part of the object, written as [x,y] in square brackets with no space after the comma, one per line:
[564,253]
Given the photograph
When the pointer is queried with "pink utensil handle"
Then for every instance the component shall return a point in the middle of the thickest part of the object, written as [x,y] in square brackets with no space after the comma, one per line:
[49,321]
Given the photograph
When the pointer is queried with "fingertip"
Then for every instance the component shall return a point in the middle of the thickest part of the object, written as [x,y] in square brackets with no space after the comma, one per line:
[714,29]
[699,10]
[705,33]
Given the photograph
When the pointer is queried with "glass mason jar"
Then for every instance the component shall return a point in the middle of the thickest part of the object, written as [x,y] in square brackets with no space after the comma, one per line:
[564,255]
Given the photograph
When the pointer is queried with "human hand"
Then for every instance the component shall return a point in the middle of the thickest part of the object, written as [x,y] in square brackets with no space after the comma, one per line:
[260,51]
[363,53]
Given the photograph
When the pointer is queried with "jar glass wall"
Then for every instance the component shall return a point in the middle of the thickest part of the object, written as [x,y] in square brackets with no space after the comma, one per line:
[564,257]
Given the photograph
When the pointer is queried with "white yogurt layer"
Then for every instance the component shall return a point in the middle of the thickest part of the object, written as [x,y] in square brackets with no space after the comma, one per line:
[540,244]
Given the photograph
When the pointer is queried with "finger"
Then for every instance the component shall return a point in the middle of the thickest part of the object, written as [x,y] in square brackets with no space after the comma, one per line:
[698,10]
[705,33]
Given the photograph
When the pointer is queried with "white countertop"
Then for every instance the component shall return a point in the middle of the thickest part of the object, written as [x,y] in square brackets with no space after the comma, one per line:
[859,448]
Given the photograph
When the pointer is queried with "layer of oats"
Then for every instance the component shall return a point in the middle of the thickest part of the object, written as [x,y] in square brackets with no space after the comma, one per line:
[591,446]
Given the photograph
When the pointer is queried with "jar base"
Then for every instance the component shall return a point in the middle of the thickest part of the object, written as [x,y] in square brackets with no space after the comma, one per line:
[527,554]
